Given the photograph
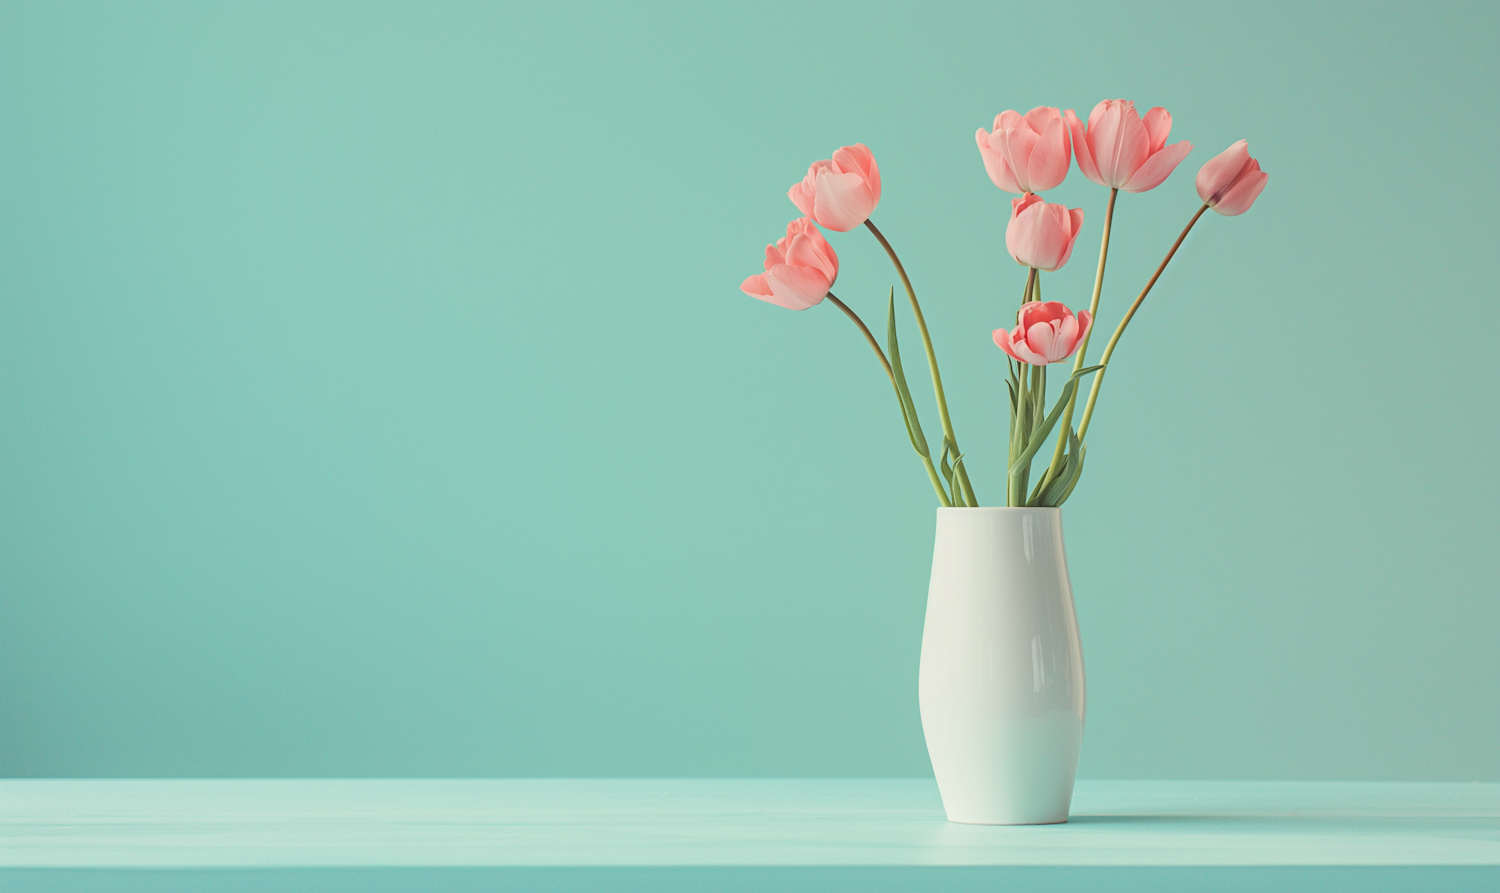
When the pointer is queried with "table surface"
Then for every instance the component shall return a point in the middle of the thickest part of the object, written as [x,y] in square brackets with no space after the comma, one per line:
[261,823]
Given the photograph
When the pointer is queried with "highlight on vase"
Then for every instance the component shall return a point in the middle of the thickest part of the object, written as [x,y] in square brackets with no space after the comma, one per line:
[1117,148]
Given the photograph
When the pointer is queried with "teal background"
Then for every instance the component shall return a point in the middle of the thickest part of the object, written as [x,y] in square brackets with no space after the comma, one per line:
[377,397]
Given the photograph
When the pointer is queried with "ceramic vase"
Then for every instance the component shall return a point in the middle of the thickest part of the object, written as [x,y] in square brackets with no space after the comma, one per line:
[1001,683]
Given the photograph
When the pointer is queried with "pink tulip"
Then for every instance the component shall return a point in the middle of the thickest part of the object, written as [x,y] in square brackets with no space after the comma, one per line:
[1048,333]
[1041,235]
[1026,153]
[1231,180]
[1123,150]
[842,193]
[800,268]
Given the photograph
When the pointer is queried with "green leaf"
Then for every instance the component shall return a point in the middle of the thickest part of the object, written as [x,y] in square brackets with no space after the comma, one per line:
[1068,477]
[956,493]
[1040,434]
[1083,452]
[1036,492]
[969,498]
[903,394]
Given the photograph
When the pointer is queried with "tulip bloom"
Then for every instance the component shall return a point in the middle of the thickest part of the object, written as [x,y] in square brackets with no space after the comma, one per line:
[1123,150]
[1231,180]
[1026,153]
[842,193]
[800,269]
[1048,333]
[1041,235]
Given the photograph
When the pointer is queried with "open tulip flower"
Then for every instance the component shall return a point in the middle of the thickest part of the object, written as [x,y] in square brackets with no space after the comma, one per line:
[1231,180]
[840,193]
[800,268]
[1041,235]
[1123,150]
[1048,333]
[1026,153]
[1119,149]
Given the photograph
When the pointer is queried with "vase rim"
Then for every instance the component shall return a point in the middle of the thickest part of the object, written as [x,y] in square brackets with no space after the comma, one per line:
[1000,508]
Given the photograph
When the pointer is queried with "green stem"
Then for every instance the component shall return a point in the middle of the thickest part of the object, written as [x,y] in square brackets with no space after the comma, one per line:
[1067,420]
[1034,407]
[1088,409]
[1021,416]
[874,345]
[932,473]
[967,494]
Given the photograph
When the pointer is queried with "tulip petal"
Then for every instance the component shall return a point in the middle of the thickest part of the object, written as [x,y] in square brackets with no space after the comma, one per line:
[1158,167]
[1002,341]
[1081,149]
[802,196]
[757,287]
[1041,235]
[1050,157]
[1099,110]
[1042,312]
[1014,344]
[1041,338]
[1040,117]
[1243,193]
[1121,144]
[1014,141]
[804,251]
[860,160]
[797,288]
[1075,219]
[1067,338]
[1047,332]
[842,201]
[994,165]
[1059,234]
[1158,124]
[1220,171]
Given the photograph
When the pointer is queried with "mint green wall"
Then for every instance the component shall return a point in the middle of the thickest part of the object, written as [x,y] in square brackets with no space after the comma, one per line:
[377,397]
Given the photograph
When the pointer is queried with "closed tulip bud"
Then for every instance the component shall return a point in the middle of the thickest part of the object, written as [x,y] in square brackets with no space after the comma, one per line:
[1026,153]
[841,193]
[800,269]
[1124,150]
[1041,235]
[1048,333]
[1231,180]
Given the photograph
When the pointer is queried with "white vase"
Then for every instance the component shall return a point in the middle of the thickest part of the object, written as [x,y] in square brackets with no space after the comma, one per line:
[1001,681]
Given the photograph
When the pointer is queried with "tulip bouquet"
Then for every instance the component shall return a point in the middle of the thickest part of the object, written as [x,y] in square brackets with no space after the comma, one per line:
[1026,154]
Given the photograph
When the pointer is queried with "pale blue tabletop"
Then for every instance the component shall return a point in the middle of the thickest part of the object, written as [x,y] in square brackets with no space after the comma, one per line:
[645,834]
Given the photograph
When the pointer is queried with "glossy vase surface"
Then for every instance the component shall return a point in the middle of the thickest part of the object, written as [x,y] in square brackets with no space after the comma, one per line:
[1001,682]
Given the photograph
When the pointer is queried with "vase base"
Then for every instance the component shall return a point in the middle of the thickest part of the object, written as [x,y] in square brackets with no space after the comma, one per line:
[1062,821]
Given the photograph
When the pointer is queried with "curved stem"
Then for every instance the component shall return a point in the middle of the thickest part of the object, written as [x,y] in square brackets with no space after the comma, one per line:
[932,474]
[1067,420]
[874,345]
[1088,410]
[932,366]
